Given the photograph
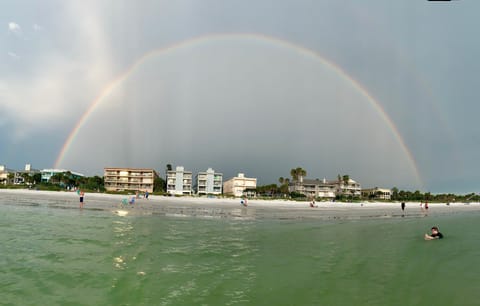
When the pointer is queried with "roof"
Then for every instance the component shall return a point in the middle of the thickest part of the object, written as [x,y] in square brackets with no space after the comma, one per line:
[315,182]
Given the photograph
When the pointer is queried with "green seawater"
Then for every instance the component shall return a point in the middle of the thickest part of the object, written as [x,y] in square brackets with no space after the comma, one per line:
[53,256]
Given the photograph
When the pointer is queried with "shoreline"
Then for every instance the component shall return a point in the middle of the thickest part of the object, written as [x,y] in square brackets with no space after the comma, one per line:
[231,208]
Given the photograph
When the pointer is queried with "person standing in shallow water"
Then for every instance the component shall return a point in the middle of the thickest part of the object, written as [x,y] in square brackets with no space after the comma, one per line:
[82,195]
[403,206]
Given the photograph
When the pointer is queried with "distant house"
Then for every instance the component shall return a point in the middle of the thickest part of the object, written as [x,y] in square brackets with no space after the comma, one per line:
[48,173]
[4,171]
[314,188]
[136,179]
[179,181]
[377,193]
[240,186]
[348,189]
[19,177]
[208,182]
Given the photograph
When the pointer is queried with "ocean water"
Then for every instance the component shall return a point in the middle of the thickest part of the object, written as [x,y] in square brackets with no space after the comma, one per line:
[54,256]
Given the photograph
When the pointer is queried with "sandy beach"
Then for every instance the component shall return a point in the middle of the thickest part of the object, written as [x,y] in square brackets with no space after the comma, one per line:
[230,208]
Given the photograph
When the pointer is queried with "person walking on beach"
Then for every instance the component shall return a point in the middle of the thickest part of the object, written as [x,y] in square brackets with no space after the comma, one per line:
[82,195]
[403,206]
[146,194]
[434,235]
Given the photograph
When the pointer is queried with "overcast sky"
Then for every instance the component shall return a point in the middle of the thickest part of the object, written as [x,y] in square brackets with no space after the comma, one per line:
[384,91]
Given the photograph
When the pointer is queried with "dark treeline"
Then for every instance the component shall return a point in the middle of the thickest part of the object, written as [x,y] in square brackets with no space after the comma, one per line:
[405,195]
[275,191]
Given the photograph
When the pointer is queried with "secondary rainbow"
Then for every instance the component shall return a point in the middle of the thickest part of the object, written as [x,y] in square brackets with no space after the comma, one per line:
[112,85]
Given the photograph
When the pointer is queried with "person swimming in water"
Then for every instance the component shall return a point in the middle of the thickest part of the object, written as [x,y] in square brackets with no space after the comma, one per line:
[434,235]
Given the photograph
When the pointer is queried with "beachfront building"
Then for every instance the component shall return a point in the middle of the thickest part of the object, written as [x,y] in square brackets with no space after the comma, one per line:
[348,188]
[240,186]
[377,193]
[25,176]
[47,174]
[208,182]
[136,179]
[4,175]
[179,181]
[314,188]
[325,189]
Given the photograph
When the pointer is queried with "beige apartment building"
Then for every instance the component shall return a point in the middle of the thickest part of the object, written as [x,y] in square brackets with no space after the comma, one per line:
[4,171]
[240,185]
[119,179]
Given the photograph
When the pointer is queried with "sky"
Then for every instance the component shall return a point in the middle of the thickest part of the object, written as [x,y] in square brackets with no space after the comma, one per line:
[383,91]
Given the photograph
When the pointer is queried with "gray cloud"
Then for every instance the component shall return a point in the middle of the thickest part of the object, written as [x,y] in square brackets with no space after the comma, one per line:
[14,28]
[420,68]
[13,55]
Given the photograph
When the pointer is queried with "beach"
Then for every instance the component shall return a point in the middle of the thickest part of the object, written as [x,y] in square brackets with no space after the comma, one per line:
[232,208]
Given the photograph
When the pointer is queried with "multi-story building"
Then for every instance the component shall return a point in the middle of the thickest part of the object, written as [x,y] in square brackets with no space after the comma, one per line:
[28,173]
[314,188]
[208,182]
[325,189]
[4,171]
[240,186]
[119,179]
[377,193]
[179,181]
[349,188]
[48,173]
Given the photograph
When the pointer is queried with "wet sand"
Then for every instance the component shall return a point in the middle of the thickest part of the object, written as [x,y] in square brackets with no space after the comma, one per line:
[202,207]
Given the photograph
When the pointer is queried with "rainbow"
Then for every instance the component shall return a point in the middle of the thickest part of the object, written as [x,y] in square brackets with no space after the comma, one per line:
[117,81]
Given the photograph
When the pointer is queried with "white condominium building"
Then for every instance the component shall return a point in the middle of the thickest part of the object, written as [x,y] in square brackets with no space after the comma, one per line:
[349,188]
[209,182]
[240,185]
[179,181]
[119,179]
[314,188]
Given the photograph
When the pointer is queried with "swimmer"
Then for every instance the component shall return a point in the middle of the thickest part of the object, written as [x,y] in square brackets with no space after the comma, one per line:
[434,235]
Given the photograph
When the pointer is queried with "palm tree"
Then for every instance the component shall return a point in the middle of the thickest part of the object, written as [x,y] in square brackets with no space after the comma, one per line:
[281,180]
[346,179]
[294,174]
[10,177]
[301,173]
[27,179]
[298,173]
